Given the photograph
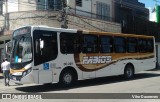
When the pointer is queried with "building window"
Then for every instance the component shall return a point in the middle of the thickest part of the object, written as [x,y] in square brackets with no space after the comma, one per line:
[103,11]
[31,1]
[49,5]
[79,3]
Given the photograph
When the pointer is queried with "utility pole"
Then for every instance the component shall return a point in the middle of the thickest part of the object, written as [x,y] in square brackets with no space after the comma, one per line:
[6,15]
[1,7]
[64,14]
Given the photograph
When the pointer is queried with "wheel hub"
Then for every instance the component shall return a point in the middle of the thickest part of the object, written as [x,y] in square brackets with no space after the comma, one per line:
[67,78]
[129,72]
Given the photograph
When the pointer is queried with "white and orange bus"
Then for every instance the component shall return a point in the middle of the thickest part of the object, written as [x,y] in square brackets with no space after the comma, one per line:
[50,55]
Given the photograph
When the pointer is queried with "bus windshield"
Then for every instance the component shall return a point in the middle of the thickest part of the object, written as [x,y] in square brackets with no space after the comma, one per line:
[22,51]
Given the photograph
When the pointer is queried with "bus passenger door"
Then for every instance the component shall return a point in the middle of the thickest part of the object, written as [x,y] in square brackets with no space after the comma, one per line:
[46,51]
[45,74]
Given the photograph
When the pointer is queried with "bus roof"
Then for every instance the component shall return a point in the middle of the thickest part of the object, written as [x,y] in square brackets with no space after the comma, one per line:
[89,31]
[56,29]
[117,34]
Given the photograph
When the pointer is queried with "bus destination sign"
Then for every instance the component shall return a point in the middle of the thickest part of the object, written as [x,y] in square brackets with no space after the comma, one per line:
[21,31]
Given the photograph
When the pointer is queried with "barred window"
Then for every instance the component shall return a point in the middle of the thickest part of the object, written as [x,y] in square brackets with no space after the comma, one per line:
[79,3]
[103,11]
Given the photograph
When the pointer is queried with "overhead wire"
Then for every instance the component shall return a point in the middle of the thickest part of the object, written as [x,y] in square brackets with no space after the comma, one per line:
[86,21]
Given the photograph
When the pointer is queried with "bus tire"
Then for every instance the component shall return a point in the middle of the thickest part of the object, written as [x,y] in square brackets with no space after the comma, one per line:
[67,78]
[129,71]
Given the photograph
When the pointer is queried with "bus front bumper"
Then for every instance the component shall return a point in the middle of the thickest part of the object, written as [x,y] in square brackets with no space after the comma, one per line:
[22,80]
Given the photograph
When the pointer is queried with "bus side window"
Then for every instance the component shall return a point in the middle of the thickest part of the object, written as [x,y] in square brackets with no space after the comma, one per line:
[119,45]
[50,50]
[106,44]
[132,45]
[46,48]
[142,45]
[150,45]
[89,44]
[69,43]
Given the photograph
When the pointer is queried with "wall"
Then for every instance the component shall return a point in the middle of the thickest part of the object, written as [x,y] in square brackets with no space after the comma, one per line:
[19,19]
[27,5]
[71,3]
[86,6]
[49,18]
[93,24]
[89,6]
[12,6]
[19,5]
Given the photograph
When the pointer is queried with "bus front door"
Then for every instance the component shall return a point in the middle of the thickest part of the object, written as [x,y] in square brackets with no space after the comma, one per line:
[45,74]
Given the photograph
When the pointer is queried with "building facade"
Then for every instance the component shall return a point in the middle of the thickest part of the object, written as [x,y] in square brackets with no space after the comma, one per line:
[98,9]
[29,5]
[129,8]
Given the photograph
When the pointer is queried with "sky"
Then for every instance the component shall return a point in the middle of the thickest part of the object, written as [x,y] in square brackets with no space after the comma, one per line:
[150,4]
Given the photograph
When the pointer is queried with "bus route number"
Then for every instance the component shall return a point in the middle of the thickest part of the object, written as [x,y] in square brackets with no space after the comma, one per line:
[68,63]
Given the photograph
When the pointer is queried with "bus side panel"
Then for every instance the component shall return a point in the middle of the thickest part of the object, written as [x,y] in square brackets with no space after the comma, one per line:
[64,61]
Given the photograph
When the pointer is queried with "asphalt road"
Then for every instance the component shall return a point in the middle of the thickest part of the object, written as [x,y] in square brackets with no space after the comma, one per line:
[144,82]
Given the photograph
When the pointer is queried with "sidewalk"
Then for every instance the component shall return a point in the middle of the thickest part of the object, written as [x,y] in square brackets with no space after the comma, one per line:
[1,75]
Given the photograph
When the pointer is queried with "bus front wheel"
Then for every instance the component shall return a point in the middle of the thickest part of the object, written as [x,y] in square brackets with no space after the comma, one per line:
[129,72]
[67,78]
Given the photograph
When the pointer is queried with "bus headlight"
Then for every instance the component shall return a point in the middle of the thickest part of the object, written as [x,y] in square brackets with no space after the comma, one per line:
[26,72]
[29,70]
